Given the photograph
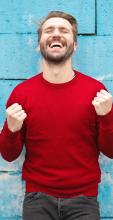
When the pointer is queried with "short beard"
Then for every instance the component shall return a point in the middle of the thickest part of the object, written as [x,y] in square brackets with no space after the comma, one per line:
[56,59]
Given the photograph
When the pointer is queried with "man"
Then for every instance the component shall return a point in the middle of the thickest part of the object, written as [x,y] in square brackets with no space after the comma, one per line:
[65,119]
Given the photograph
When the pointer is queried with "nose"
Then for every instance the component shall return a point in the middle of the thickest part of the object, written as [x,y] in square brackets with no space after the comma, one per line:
[56,32]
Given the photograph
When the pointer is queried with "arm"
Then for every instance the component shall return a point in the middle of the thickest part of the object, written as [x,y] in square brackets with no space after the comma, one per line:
[105,134]
[13,132]
[104,111]
[11,143]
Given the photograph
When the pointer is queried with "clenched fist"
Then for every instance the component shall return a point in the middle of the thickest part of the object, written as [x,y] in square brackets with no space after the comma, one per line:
[15,116]
[102,102]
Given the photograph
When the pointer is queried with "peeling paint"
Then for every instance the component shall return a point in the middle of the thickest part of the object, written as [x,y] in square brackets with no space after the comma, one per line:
[11,194]
[105,77]
[31,41]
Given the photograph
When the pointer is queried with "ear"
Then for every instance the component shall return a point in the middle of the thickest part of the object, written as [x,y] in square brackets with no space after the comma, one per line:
[38,48]
[75,46]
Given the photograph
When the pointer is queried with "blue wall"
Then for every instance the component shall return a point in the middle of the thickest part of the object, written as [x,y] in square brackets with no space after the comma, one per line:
[20,60]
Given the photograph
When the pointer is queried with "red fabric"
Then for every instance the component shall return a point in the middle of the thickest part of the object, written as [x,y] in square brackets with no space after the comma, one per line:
[62,134]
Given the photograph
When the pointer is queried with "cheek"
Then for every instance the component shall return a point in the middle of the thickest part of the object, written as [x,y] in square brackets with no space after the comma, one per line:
[70,41]
[69,38]
[44,40]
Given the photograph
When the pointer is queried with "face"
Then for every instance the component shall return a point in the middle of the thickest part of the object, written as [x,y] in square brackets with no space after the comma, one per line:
[57,40]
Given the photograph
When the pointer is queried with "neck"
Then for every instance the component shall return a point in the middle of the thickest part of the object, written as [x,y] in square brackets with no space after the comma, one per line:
[57,73]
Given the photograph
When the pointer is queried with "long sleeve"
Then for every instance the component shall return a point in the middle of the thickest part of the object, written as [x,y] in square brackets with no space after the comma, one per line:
[105,134]
[60,123]
[11,143]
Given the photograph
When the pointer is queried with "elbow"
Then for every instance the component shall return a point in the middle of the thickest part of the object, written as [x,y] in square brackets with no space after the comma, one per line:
[106,148]
[7,158]
[108,154]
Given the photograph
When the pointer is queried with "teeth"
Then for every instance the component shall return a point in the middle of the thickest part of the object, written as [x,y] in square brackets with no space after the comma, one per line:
[56,45]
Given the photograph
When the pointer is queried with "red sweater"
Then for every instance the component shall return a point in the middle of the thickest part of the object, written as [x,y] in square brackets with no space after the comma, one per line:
[62,134]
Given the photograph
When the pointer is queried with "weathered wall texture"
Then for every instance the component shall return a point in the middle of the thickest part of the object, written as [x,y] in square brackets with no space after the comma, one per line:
[20,60]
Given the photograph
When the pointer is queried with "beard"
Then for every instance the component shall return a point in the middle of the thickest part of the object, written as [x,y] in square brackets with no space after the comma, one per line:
[60,57]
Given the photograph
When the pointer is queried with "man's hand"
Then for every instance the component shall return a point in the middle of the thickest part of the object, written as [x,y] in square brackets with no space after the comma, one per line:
[102,102]
[15,117]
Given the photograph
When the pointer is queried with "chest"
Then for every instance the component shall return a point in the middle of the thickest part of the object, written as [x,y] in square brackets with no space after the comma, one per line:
[59,114]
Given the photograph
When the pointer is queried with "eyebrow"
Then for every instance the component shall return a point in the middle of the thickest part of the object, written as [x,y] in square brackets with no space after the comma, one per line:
[61,27]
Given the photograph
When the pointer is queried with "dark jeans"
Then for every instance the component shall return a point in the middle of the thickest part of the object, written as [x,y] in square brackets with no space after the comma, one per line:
[41,206]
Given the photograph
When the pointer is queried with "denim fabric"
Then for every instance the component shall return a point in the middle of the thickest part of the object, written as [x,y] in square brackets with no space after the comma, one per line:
[41,206]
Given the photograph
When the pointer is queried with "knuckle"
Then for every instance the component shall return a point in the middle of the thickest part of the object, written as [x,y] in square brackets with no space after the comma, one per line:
[20,106]
[15,104]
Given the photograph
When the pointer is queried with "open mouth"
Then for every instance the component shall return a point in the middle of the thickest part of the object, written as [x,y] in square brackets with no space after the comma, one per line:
[56,45]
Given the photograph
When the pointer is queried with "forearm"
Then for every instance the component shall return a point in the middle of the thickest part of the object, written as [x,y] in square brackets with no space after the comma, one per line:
[105,134]
[11,144]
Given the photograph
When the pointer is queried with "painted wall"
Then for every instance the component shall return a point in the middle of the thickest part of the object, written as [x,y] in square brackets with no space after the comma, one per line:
[19,60]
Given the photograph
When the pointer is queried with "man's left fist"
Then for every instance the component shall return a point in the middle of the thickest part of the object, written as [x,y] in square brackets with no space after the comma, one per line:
[102,102]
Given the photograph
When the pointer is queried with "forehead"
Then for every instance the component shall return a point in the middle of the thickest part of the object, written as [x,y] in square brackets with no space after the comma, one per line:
[57,22]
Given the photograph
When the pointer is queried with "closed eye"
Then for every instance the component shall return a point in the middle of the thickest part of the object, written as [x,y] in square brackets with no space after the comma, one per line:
[64,30]
[48,30]
[61,30]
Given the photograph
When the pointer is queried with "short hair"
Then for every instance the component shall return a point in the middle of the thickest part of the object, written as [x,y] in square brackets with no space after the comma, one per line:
[72,20]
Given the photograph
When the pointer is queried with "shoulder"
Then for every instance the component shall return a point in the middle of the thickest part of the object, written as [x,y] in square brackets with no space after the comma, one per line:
[24,89]
[28,83]
[90,82]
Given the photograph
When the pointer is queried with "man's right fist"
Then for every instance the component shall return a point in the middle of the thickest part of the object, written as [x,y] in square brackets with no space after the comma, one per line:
[15,116]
